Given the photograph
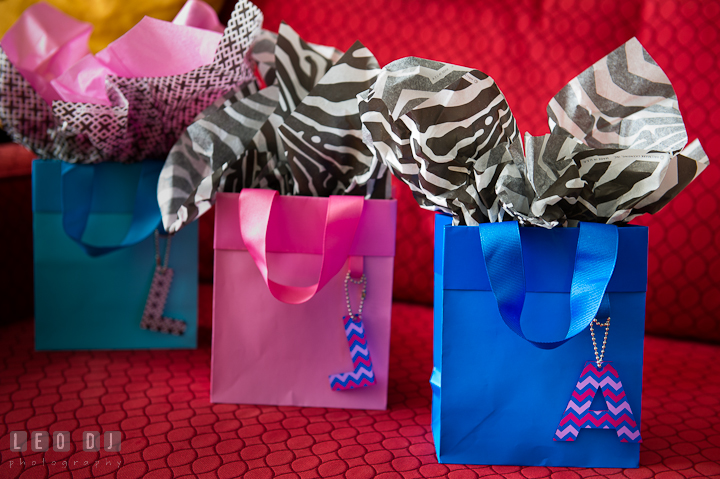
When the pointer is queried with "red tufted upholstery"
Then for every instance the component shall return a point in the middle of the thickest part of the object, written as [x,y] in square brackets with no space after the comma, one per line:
[159,400]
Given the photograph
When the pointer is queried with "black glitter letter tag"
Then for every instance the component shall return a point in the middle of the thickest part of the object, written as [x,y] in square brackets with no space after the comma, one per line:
[152,318]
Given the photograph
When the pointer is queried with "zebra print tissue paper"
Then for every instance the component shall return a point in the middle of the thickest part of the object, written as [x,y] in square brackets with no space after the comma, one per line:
[234,142]
[300,136]
[322,136]
[434,124]
[617,147]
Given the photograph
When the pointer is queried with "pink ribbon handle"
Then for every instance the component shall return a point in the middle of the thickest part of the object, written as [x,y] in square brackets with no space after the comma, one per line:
[341,221]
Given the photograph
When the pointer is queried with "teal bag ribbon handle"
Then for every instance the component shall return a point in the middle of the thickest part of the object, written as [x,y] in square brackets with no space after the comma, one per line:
[595,259]
[77,184]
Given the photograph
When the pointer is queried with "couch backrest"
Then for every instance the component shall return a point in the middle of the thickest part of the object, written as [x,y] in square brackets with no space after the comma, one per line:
[532,48]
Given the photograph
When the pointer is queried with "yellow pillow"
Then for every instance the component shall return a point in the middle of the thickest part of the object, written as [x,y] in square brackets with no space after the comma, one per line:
[111,18]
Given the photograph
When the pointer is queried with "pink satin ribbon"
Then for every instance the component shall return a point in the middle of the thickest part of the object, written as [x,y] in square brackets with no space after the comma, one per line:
[343,216]
[50,49]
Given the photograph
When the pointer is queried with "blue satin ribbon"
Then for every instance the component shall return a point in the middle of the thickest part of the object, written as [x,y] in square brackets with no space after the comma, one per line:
[77,183]
[595,259]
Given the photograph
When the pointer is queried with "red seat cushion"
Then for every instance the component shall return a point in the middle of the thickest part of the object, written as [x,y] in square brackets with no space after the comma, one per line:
[159,400]
[532,48]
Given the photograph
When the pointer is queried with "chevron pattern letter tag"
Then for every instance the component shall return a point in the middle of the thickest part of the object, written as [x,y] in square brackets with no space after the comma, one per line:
[363,375]
[578,414]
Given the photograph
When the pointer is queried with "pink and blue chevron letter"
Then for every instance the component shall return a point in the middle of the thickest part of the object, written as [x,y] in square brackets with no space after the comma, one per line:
[363,375]
[578,414]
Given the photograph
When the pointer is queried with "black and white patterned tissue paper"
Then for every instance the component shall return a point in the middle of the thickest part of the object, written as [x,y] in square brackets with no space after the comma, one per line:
[617,147]
[145,116]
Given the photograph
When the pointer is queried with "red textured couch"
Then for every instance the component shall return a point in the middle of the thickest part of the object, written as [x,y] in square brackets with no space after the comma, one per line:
[159,399]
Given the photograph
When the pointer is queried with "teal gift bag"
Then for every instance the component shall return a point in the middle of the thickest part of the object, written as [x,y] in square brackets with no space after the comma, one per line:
[514,378]
[95,253]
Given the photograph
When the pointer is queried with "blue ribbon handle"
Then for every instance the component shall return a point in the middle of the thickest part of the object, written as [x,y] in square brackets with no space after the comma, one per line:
[595,259]
[77,184]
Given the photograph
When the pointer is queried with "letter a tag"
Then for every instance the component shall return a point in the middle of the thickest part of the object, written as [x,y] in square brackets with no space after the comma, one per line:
[578,414]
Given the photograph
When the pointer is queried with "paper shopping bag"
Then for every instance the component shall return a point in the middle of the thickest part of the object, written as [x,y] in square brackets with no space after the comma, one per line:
[288,274]
[95,256]
[515,378]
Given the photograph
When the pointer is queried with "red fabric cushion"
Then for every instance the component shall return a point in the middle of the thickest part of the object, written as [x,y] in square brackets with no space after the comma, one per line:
[532,48]
[159,400]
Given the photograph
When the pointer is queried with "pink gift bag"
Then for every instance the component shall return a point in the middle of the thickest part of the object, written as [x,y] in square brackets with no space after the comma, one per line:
[282,334]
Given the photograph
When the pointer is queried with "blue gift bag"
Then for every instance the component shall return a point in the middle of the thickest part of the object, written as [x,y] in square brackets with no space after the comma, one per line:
[95,254]
[512,344]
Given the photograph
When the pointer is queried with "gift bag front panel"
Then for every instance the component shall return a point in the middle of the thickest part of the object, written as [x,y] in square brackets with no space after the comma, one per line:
[500,399]
[269,352]
[84,302]
[503,398]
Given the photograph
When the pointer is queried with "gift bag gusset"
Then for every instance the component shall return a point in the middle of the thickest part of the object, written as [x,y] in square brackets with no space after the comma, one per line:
[87,109]
[617,148]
